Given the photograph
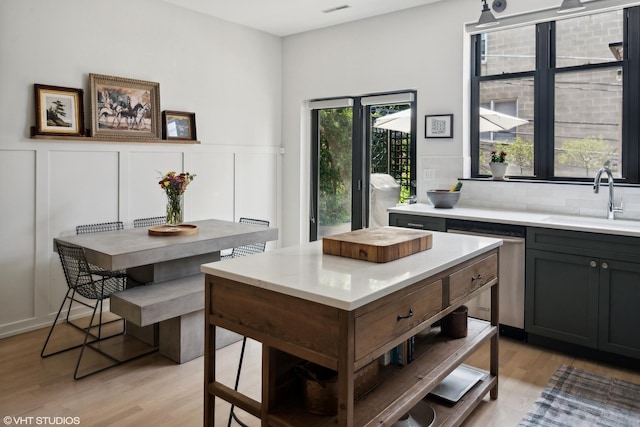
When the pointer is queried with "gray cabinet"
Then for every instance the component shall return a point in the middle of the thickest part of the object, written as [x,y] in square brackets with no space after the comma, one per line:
[619,329]
[561,298]
[584,288]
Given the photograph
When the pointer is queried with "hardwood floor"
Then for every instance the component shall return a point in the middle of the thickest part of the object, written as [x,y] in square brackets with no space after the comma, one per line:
[154,391]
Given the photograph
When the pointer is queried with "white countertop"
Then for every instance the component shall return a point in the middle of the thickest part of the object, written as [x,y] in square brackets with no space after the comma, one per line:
[305,272]
[561,222]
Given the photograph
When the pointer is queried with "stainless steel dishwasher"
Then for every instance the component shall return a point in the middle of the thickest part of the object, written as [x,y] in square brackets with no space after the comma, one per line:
[511,274]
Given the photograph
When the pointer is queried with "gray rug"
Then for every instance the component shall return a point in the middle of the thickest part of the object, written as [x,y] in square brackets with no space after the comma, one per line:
[576,398]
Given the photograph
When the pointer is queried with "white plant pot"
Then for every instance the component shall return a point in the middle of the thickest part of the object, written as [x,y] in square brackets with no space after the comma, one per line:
[498,170]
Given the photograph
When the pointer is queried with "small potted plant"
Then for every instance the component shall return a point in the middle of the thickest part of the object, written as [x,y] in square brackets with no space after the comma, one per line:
[498,164]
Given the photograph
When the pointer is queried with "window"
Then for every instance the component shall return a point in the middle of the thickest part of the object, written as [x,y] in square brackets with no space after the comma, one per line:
[588,118]
[580,102]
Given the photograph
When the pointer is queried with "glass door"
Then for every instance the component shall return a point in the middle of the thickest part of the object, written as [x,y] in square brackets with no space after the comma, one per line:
[347,147]
[335,170]
[391,152]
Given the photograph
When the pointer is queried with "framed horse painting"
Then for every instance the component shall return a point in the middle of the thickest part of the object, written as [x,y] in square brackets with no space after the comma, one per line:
[124,108]
[59,110]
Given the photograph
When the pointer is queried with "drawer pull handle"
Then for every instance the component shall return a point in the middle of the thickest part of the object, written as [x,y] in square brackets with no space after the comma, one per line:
[407,316]
[477,277]
[413,224]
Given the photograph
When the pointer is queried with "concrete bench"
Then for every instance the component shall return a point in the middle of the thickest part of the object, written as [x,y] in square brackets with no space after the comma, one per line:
[178,307]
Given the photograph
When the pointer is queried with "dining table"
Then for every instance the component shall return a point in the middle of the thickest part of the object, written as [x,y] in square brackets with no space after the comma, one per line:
[164,258]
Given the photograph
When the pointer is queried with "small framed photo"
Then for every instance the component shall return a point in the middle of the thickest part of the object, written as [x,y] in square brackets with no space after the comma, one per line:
[59,110]
[124,108]
[440,126]
[180,125]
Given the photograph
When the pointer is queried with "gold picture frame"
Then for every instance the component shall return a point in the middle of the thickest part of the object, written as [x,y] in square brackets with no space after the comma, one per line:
[59,110]
[124,108]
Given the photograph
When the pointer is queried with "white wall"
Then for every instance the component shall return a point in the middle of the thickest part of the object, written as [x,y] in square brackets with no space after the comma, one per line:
[425,49]
[229,75]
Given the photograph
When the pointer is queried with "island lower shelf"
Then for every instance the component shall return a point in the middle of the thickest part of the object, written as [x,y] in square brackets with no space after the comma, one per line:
[401,387]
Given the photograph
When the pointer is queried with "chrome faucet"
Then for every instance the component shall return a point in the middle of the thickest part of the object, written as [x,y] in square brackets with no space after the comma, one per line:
[612,209]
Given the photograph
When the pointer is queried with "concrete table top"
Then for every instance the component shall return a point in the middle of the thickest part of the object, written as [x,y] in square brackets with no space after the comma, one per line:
[134,247]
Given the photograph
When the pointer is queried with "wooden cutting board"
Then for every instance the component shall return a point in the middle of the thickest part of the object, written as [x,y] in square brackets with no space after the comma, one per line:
[380,244]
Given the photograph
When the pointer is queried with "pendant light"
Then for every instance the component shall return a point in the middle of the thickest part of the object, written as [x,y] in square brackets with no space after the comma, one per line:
[570,6]
[486,17]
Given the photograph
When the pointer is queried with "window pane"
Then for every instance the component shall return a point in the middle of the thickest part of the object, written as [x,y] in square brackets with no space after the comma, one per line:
[334,199]
[588,118]
[507,131]
[509,51]
[390,145]
[585,39]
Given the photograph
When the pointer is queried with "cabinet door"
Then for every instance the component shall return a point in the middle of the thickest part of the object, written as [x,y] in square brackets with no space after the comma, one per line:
[620,307]
[561,297]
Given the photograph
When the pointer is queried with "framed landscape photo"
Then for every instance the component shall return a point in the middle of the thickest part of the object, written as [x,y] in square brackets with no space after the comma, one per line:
[59,110]
[124,108]
[179,125]
[440,126]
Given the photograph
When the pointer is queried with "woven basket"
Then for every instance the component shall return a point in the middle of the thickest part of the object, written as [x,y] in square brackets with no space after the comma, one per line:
[320,386]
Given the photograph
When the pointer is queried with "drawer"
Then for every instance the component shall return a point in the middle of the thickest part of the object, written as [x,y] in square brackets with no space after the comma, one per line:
[468,279]
[382,325]
[417,221]
[249,310]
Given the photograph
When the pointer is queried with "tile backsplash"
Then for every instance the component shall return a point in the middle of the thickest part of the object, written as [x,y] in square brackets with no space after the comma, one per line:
[556,198]
[441,172]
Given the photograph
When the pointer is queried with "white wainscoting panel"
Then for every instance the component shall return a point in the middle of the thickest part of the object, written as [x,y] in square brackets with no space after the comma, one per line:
[17,216]
[145,197]
[210,195]
[256,178]
[83,189]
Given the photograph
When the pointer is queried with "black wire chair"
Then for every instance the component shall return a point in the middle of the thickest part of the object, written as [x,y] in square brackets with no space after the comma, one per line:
[235,253]
[148,222]
[253,248]
[95,286]
[99,228]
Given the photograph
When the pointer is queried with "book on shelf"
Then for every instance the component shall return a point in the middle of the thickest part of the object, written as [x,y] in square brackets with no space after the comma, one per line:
[404,353]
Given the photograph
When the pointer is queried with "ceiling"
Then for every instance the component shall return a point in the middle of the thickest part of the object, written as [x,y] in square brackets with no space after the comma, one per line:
[285,17]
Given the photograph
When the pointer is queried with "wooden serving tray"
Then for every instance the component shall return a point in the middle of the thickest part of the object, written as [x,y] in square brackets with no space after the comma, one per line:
[173,230]
[380,244]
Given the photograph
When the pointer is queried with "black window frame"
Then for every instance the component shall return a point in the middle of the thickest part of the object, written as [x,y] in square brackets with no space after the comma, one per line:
[544,100]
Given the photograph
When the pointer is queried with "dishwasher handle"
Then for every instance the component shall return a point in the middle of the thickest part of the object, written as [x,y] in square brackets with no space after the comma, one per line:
[506,239]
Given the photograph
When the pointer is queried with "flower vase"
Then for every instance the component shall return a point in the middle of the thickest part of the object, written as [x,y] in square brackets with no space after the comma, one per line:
[175,209]
[498,170]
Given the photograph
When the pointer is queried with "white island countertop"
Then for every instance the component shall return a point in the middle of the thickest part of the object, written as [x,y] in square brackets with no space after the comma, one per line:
[304,271]
[530,219]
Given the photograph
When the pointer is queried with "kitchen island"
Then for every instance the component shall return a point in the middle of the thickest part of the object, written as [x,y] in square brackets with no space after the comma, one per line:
[343,314]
